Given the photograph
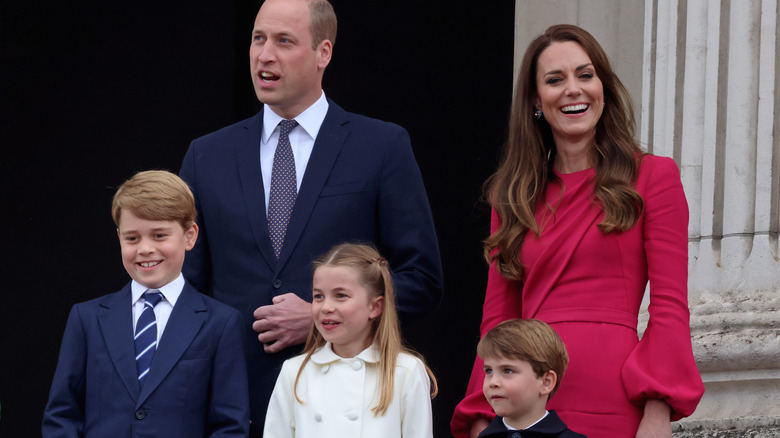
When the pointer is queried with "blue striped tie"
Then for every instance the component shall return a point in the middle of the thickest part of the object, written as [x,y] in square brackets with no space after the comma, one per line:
[284,187]
[146,335]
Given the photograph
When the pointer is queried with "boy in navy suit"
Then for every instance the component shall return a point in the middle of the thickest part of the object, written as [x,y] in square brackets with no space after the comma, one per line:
[524,363]
[156,359]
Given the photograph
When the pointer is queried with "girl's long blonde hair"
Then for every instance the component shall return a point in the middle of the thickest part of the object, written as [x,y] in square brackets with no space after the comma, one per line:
[374,275]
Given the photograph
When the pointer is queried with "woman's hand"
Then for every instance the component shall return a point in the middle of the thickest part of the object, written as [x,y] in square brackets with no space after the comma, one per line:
[478,426]
[655,422]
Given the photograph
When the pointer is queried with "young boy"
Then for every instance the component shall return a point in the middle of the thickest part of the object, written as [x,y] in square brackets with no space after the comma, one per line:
[156,359]
[524,364]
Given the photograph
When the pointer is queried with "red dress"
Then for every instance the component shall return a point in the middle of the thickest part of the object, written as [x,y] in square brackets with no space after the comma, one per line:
[589,286]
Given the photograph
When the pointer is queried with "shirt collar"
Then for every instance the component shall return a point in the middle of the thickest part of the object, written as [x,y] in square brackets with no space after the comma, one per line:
[310,119]
[170,291]
[325,355]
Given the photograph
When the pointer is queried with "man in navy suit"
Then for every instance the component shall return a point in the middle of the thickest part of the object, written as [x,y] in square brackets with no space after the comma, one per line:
[184,374]
[357,180]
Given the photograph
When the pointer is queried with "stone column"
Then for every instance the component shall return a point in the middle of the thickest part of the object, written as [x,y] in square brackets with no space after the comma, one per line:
[711,100]
[709,97]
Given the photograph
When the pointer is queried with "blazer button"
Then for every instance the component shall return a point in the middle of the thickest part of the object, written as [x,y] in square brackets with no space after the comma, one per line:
[277,283]
[517,435]
[357,365]
[317,417]
[140,415]
[352,415]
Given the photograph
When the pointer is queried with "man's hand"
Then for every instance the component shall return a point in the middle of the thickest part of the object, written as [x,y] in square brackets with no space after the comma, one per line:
[284,323]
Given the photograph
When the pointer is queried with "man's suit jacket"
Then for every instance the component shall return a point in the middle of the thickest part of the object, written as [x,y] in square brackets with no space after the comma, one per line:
[196,386]
[362,183]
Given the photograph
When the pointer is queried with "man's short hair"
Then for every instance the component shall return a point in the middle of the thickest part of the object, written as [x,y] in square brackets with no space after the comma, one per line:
[322,22]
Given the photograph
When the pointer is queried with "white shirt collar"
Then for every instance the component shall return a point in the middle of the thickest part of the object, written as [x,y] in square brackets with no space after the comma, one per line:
[325,355]
[508,427]
[170,291]
[310,119]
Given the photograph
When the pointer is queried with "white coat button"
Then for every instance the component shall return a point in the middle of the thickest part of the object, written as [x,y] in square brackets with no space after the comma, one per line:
[357,365]
[325,368]
[352,415]
[317,417]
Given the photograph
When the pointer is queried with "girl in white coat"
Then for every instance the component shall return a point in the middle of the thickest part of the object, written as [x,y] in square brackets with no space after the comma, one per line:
[354,378]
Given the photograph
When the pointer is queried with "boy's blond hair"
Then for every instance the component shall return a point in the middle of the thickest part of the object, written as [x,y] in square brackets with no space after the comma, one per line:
[529,340]
[156,195]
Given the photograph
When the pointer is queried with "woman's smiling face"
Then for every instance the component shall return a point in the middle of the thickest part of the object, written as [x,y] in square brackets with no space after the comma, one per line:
[569,92]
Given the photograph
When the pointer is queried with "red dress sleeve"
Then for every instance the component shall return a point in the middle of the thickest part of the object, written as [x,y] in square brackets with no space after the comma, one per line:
[502,302]
[662,364]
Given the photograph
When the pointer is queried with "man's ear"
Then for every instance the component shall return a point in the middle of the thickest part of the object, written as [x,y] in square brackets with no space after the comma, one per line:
[324,53]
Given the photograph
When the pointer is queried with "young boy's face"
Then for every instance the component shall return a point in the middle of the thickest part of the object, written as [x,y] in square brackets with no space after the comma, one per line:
[153,251]
[514,391]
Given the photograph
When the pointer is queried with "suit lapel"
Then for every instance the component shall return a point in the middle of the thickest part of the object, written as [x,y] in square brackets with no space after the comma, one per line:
[248,161]
[186,319]
[116,325]
[326,149]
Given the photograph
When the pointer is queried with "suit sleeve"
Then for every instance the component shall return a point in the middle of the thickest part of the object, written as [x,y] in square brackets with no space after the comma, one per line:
[503,301]
[197,262]
[64,413]
[229,401]
[407,237]
[662,365]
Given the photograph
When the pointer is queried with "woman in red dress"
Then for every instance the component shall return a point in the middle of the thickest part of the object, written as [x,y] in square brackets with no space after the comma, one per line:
[582,221]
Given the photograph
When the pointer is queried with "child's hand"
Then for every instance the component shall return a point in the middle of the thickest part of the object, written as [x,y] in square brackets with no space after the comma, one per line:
[284,323]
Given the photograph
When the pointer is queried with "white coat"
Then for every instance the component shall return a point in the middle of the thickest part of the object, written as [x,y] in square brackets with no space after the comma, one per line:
[338,395]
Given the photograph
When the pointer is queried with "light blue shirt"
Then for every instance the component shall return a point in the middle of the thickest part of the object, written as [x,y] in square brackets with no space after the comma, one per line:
[301,140]
[163,309]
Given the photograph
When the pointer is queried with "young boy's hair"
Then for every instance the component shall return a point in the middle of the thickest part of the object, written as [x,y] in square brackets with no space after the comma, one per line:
[529,340]
[374,275]
[156,195]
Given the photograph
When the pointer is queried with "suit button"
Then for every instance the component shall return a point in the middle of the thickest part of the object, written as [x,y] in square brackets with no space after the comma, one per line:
[516,435]
[277,283]
[140,415]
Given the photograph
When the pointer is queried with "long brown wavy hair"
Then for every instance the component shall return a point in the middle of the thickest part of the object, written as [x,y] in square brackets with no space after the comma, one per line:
[374,275]
[529,153]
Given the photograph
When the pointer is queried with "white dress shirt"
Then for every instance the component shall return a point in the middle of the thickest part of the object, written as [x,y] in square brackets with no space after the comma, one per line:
[301,140]
[163,309]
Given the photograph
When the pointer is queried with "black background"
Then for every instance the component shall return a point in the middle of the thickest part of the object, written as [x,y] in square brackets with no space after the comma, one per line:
[91,92]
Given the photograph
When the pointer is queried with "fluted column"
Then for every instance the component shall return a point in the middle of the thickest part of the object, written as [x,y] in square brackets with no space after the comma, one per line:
[711,100]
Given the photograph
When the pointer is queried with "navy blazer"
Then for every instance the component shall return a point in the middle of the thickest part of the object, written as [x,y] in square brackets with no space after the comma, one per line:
[362,183]
[550,427]
[196,386]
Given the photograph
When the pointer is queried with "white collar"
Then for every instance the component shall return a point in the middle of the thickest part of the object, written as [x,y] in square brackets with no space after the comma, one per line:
[170,291]
[325,355]
[310,119]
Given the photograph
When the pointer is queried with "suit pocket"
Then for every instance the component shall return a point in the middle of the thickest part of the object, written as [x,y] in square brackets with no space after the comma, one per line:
[196,354]
[342,189]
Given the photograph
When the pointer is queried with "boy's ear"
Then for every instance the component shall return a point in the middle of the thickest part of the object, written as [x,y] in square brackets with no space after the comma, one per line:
[549,379]
[191,236]
[377,306]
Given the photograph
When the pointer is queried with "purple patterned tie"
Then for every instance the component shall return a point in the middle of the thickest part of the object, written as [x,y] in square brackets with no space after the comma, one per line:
[284,187]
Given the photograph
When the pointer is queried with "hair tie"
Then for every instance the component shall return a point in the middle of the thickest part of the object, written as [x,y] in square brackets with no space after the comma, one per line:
[381,260]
